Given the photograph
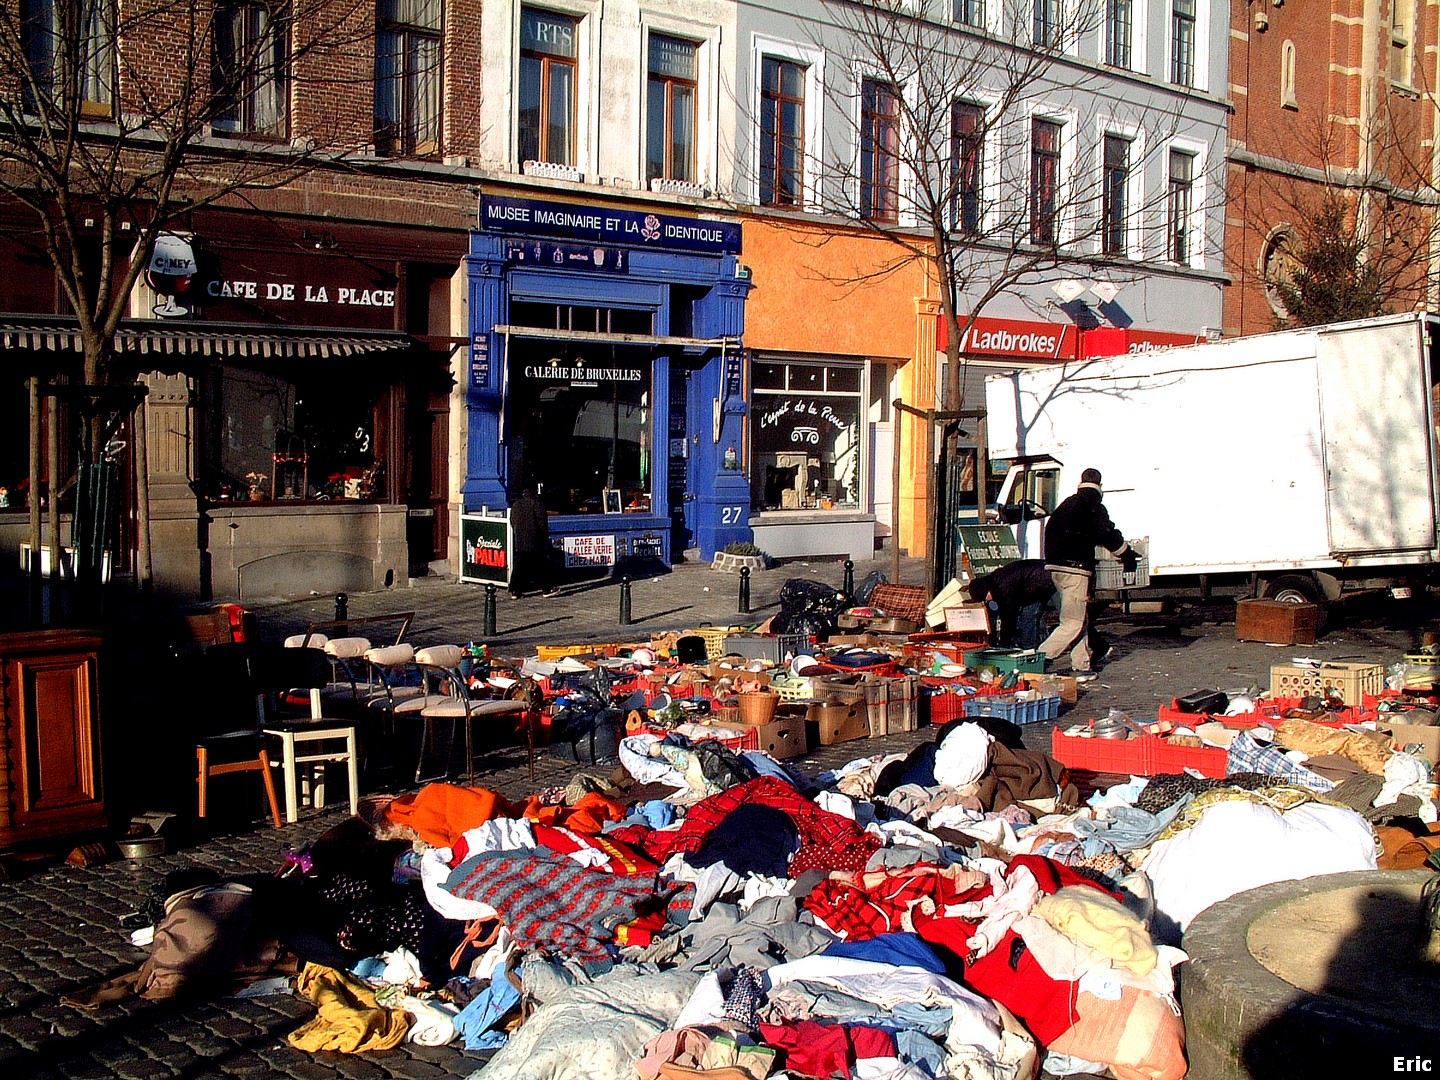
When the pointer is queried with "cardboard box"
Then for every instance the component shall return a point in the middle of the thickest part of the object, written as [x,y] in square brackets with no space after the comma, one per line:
[1063,686]
[783,738]
[1429,737]
[837,722]
[1277,622]
[968,617]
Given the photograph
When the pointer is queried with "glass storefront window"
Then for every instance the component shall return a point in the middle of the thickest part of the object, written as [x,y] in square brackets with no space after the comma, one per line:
[579,420]
[280,438]
[805,436]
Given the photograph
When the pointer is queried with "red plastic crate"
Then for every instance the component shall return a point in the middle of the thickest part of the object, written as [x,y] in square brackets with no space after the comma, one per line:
[1123,756]
[1209,761]
[1270,711]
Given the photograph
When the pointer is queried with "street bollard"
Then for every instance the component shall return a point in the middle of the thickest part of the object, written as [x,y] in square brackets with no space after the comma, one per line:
[849,577]
[744,608]
[489,628]
[342,606]
[624,601]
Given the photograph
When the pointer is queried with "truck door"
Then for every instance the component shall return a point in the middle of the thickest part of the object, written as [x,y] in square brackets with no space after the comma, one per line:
[1377,444]
[1029,495]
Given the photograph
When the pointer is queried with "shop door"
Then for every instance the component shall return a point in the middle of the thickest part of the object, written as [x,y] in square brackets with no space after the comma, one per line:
[677,473]
[428,453]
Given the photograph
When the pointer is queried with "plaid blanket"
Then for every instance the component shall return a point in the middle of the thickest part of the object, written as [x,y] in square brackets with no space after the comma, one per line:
[1249,755]
[552,903]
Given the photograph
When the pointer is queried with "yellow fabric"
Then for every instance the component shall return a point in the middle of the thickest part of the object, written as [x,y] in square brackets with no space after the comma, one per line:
[349,1020]
[1093,918]
[1316,740]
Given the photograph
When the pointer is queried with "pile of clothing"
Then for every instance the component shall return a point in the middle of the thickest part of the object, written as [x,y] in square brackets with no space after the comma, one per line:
[956,912]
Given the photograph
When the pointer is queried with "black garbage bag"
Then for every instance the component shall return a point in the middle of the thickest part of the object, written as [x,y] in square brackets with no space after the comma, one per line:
[588,735]
[866,587]
[808,607]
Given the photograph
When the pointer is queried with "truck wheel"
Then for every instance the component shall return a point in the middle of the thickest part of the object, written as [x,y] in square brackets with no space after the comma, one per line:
[1293,589]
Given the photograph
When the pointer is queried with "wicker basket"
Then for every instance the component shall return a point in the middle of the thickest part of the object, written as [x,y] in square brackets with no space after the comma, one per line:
[758,709]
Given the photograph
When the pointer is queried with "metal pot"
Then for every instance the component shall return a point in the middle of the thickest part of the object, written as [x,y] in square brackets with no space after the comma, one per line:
[141,847]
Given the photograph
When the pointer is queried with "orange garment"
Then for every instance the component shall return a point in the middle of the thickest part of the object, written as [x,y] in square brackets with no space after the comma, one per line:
[586,817]
[1403,850]
[442,813]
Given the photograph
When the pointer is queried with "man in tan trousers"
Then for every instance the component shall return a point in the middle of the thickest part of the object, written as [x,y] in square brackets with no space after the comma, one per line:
[1078,526]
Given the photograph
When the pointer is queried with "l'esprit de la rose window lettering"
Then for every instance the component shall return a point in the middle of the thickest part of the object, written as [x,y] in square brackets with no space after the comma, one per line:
[290,292]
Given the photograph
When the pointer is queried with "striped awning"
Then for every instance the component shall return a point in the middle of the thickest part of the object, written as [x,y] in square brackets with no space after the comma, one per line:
[141,337]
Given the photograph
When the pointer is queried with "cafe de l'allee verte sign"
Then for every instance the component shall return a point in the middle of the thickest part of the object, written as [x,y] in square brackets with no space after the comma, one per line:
[608,225]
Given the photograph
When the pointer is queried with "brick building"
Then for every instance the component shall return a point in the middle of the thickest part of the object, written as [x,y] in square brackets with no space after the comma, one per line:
[1337,103]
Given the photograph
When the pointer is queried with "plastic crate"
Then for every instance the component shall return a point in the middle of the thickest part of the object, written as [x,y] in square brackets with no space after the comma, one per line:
[1351,681]
[1012,708]
[1122,756]
[1110,576]
[714,637]
[1269,711]
[1019,660]
[771,647]
[793,688]
[892,705]
[1208,761]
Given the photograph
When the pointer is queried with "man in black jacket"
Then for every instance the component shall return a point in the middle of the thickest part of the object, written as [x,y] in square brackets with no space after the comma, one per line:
[1078,526]
[1017,593]
[530,532]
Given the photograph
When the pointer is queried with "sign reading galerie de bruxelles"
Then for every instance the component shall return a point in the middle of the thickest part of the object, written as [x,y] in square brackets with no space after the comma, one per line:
[607,225]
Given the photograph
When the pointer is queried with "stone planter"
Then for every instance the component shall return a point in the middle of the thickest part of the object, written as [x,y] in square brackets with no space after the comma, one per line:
[731,564]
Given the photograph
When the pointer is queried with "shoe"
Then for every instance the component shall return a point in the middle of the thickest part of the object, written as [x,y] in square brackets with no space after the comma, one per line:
[551,592]
[514,595]
[1084,676]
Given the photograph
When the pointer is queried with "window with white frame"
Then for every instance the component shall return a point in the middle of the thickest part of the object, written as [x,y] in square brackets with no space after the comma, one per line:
[879,151]
[407,76]
[1045,31]
[1182,42]
[1180,207]
[782,132]
[75,37]
[1114,189]
[969,13]
[248,70]
[1045,136]
[967,165]
[549,49]
[1119,32]
[673,65]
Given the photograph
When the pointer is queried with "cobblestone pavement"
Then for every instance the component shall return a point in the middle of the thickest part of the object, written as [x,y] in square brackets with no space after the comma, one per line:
[59,924]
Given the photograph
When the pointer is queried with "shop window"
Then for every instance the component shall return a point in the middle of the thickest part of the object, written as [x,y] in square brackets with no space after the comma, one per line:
[879,151]
[279,438]
[579,424]
[248,71]
[594,320]
[805,436]
[670,143]
[76,36]
[782,132]
[548,52]
[407,77]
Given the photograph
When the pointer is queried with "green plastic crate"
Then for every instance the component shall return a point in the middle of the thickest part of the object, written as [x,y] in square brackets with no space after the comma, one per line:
[1021,660]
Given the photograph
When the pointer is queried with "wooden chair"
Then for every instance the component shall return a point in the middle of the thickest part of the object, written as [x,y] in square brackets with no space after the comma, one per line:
[237,742]
[311,740]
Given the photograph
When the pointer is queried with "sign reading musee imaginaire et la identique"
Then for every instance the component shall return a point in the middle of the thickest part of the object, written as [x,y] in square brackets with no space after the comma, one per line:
[607,225]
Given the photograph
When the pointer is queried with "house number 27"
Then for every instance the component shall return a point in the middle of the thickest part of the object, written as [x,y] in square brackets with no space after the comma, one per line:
[731,515]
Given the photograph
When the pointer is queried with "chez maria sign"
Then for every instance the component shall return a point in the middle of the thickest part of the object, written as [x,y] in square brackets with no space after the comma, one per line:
[607,225]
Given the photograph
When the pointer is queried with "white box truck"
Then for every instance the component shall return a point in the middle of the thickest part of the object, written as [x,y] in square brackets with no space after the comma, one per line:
[1298,465]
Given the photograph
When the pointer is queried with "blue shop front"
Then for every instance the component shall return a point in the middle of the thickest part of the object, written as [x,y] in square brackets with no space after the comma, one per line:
[606,372]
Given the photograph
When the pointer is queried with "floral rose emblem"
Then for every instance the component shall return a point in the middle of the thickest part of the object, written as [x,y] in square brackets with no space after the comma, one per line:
[651,228]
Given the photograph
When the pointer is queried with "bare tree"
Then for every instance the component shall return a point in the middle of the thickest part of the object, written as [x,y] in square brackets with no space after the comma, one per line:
[118,118]
[973,151]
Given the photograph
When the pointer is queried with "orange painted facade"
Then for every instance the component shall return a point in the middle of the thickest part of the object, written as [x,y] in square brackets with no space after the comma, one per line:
[820,291]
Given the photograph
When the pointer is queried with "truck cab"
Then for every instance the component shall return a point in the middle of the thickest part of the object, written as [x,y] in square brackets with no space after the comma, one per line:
[1029,495]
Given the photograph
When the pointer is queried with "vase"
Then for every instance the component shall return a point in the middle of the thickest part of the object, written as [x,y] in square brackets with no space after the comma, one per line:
[257,494]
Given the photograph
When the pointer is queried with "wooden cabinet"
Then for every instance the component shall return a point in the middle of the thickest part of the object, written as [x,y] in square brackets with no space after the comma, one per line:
[50,780]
